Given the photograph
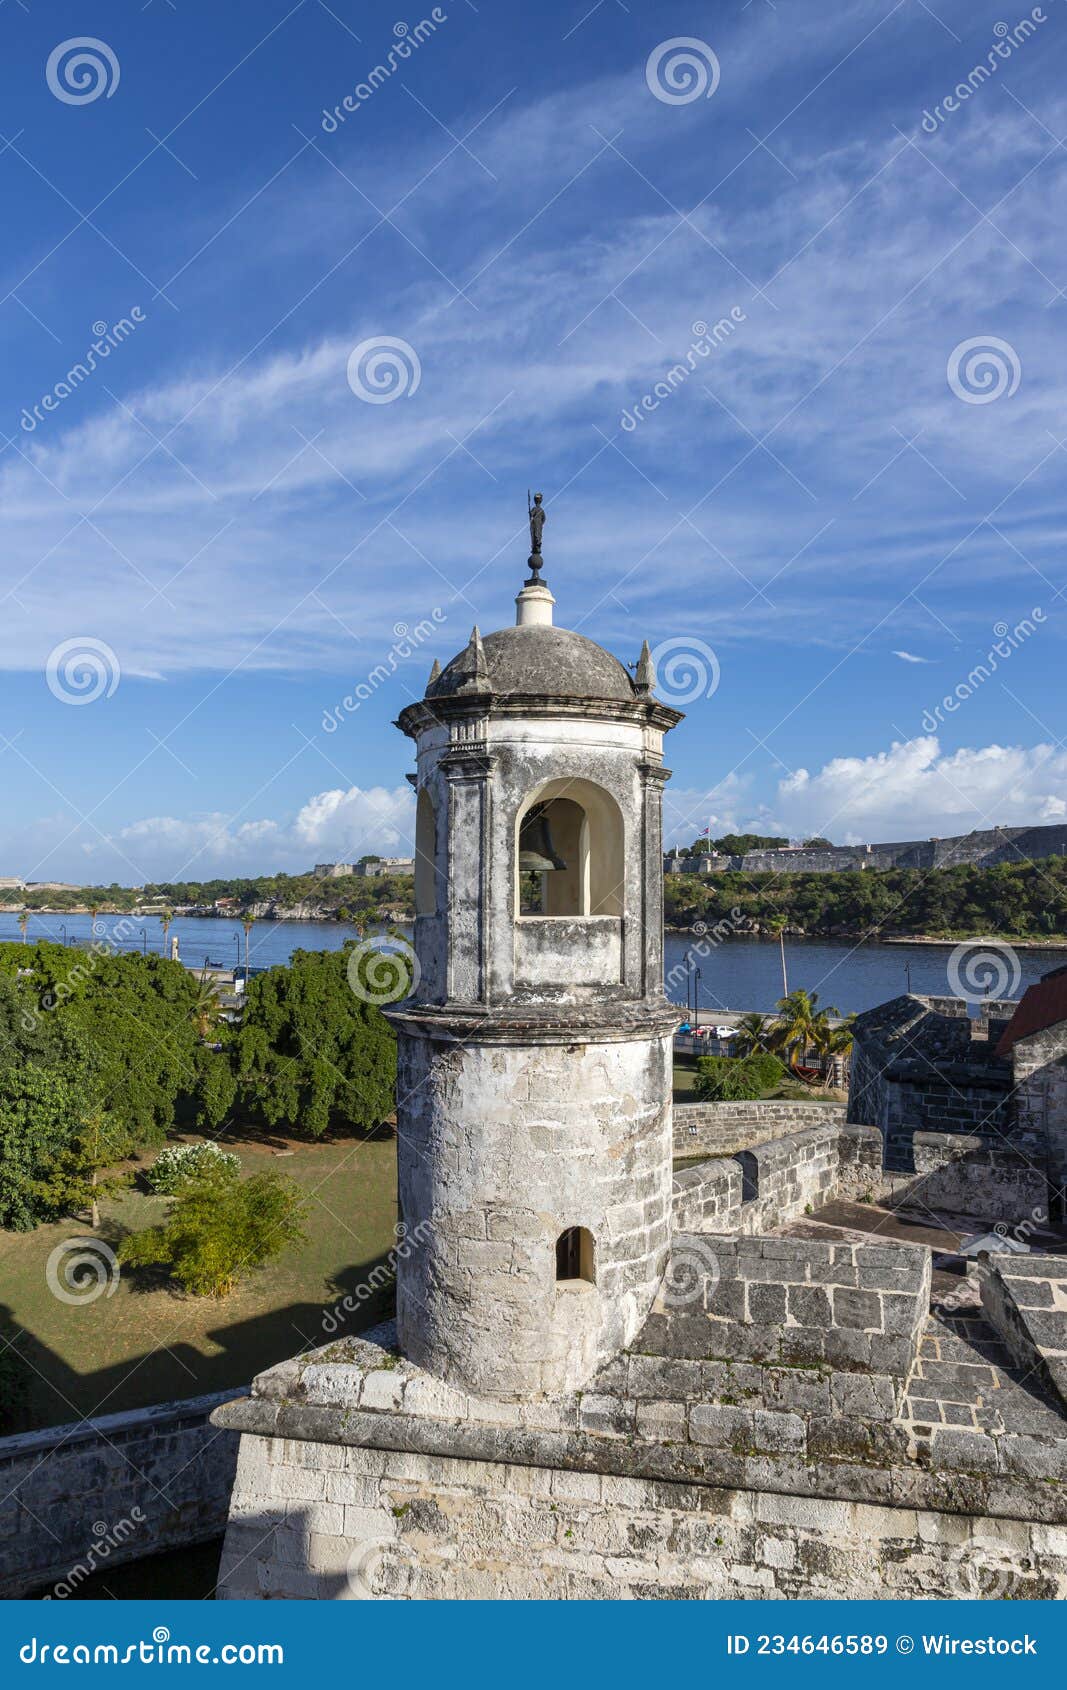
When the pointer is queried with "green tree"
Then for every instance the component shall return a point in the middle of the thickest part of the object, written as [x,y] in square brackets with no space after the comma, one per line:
[45,1080]
[802,1024]
[83,1170]
[166,916]
[729,1079]
[310,1053]
[754,1032]
[247,922]
[220,1229]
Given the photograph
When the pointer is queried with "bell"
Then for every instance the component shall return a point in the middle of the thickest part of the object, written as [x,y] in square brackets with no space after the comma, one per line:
[537,854]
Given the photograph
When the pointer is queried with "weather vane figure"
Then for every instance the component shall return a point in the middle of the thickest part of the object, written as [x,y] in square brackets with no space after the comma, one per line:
[537,523]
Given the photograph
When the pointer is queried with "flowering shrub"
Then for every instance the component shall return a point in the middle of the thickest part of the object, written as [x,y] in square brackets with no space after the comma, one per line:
[179,1163]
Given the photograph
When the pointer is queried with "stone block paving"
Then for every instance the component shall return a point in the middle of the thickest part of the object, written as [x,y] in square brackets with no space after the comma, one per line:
[964,1376]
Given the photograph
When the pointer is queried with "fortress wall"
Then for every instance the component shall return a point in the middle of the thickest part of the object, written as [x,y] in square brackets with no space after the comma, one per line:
[324,1520]
[988,846]
[75,1499]
[720,1129]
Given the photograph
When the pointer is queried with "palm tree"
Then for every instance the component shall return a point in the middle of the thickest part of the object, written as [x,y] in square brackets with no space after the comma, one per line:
[94,911]
[165,919]
[247,922]
[754,1033]
[207,1009]
[802,1024]
[777,925]
[24,922]
[834,1045]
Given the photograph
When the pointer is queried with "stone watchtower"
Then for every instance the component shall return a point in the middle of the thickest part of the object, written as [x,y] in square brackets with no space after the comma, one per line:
[534,1086]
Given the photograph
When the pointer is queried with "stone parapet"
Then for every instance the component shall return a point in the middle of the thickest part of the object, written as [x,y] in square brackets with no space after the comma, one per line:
[1025,1300]
[720,1129]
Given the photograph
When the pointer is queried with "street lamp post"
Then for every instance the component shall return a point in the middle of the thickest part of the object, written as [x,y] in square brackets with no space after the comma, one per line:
[144,941]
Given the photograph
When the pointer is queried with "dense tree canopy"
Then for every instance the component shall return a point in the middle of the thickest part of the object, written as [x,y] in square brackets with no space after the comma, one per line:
[310,1054]
[1025,900]
[99,1055]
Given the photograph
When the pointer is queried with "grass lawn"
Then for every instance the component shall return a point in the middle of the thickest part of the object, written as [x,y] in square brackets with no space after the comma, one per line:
[685,1080]
[131,1348]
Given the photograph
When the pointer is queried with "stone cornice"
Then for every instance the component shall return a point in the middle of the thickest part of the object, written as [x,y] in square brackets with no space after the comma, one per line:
[611,1022]
[834,1477]
[427,713]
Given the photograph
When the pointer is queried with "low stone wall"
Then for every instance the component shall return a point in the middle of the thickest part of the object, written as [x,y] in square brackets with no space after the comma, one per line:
[762,1188]
[76,1498]
[962,1175]
[1025,1300]
[796,1302]
[767,1185]
[720,1129]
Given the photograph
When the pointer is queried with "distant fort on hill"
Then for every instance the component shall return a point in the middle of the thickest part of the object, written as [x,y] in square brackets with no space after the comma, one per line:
[987,848]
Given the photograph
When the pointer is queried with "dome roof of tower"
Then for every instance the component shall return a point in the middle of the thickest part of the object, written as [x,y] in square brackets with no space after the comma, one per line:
[538,659]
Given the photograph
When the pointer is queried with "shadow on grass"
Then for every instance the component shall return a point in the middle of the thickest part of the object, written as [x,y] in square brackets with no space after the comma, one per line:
[39,1388]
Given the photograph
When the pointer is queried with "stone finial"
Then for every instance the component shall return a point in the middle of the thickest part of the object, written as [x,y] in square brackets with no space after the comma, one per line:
[435,674]
[481,667]
[645,678]
[473,667]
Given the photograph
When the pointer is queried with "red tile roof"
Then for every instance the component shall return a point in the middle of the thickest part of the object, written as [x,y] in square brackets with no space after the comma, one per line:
[1041,1006]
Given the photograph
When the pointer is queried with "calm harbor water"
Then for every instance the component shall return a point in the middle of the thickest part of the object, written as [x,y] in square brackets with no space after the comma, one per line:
[740,973]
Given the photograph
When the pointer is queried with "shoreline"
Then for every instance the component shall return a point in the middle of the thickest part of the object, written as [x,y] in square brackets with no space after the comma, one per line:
[1055,941]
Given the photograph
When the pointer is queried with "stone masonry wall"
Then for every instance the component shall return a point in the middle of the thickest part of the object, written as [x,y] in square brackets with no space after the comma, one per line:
[1025,1300]
[1039,1065]
[718,1129]
[324,1520]
[101,1492]
[759,1189]
[504,1147]
[794,1302]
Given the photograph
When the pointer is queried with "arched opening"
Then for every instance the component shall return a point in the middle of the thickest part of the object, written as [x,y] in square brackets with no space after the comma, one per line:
[575,1255]
[569,851]
[425,855]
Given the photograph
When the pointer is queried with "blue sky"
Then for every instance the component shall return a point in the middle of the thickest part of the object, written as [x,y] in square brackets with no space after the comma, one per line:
[827,522]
